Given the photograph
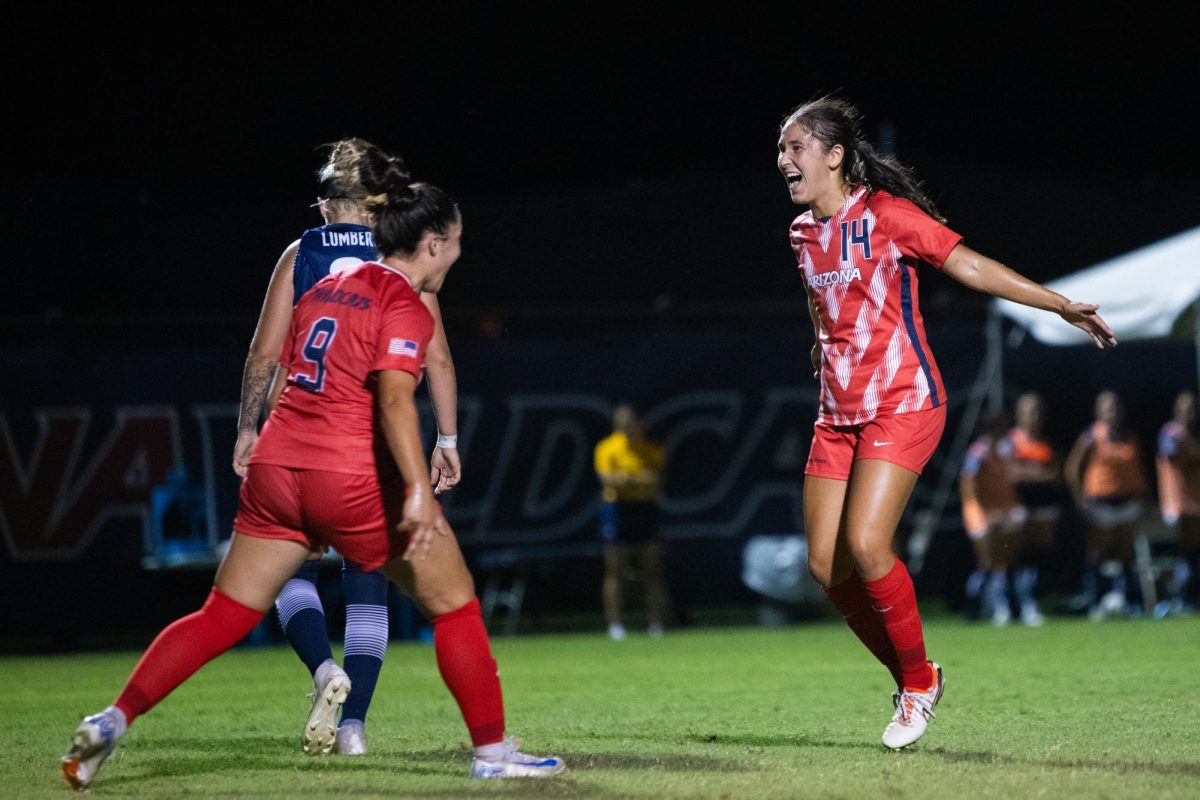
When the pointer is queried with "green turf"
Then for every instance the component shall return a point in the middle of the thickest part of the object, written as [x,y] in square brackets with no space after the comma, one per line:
[1070,710]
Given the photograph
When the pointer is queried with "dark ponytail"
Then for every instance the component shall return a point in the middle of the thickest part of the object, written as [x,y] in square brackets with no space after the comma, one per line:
[402,212]
[832,122]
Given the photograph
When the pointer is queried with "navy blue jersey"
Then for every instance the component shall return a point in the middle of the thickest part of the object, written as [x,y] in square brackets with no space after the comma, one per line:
[329,249]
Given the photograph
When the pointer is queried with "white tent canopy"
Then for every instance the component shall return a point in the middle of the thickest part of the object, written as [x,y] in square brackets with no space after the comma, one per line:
[1141,294]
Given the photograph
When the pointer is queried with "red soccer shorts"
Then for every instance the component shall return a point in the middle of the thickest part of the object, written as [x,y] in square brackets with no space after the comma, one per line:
[906,440]
[354,514]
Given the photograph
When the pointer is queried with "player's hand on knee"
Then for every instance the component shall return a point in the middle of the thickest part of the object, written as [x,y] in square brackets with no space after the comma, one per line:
[420,519]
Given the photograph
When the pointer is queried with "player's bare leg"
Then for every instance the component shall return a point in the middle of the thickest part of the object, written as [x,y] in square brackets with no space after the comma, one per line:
[877,494]
[251,575]
[441,586]
[830,562]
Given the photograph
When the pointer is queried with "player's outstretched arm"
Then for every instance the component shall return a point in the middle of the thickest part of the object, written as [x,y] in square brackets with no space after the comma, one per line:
[977,271]
[445,465]
[272,329]
[398,418]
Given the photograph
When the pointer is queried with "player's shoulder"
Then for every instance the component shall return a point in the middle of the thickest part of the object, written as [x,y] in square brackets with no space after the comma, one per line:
[884,202]
[805,220]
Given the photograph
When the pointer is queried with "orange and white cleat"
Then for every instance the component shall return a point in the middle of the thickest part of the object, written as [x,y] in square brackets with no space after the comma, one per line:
[94,741]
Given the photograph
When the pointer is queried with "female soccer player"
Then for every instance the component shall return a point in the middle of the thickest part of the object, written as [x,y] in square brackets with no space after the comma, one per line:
[320,475]
[1105,473]
[343,242]
[882,407]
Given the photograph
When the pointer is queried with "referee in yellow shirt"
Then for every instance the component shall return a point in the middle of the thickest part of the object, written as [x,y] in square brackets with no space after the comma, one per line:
[630,473]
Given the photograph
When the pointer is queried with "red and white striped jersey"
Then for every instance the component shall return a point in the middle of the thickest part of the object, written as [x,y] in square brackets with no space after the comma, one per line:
[860,270]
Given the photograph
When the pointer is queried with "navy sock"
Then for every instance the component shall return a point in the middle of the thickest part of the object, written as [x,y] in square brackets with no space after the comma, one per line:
[366,636]
[303,618]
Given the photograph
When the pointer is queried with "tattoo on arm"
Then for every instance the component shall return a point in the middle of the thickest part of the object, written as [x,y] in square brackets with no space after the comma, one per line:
[256,382]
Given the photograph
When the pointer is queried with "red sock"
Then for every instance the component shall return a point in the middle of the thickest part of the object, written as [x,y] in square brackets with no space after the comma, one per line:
[182,648]
[895,603]
[851,599]
[465,660]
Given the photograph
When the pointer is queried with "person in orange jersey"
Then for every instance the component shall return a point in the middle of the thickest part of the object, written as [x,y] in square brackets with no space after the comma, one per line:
[1105,473]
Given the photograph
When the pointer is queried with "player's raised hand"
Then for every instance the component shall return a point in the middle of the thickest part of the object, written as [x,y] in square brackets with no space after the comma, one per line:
[420,519]
[445,469]
[1084,317]
[242,449]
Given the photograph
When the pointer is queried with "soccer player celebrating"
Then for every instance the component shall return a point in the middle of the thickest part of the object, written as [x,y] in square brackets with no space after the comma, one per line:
[882,405]
[339,463]
[344,241]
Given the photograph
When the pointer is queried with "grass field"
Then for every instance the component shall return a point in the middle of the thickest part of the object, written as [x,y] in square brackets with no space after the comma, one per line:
[1069,710]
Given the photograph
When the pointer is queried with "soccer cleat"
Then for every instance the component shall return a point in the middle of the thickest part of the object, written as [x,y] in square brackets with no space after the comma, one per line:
[331,687]
[616,632]
[94,741]
[1001,617]
[514,764]
[351,739]
[913,712]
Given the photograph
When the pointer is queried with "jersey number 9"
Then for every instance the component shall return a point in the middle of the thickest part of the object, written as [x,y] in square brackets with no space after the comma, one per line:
[320,336]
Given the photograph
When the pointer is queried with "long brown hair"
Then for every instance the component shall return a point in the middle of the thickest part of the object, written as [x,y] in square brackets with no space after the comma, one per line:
[831,122]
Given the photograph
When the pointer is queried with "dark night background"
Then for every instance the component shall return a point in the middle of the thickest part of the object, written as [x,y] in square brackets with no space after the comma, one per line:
[161,162]
[615,168]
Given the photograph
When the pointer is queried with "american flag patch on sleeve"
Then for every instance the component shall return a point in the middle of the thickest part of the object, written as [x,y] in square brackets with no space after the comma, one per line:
[402,347]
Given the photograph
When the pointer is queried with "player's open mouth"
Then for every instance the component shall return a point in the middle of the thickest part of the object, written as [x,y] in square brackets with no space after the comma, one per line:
[794,177]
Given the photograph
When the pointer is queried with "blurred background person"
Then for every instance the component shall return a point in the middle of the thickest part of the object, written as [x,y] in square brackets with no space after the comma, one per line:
[630,471]
[1105,474]
[1178,467]
[992,516]
[1036,471]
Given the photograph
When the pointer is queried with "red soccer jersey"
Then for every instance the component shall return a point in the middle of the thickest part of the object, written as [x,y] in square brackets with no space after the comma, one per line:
[350,325]
[860,269]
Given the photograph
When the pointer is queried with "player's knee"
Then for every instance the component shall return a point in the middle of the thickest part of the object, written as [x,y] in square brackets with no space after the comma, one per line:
[870,556]
[443,599]
[821,569]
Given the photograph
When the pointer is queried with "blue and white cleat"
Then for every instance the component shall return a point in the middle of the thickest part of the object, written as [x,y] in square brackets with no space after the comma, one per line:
[331,687]
[94,741]
[513,764]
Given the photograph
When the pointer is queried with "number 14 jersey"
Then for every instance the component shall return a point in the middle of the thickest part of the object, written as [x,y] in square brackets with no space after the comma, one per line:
[859,267]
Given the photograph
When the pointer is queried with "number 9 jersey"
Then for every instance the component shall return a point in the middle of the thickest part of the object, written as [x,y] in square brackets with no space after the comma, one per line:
[349,326]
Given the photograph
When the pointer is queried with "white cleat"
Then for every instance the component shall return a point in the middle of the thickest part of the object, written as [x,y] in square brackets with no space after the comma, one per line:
[351,739]
[513,764]
[913,712]
[331,687]
[616,632]
[94,741]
